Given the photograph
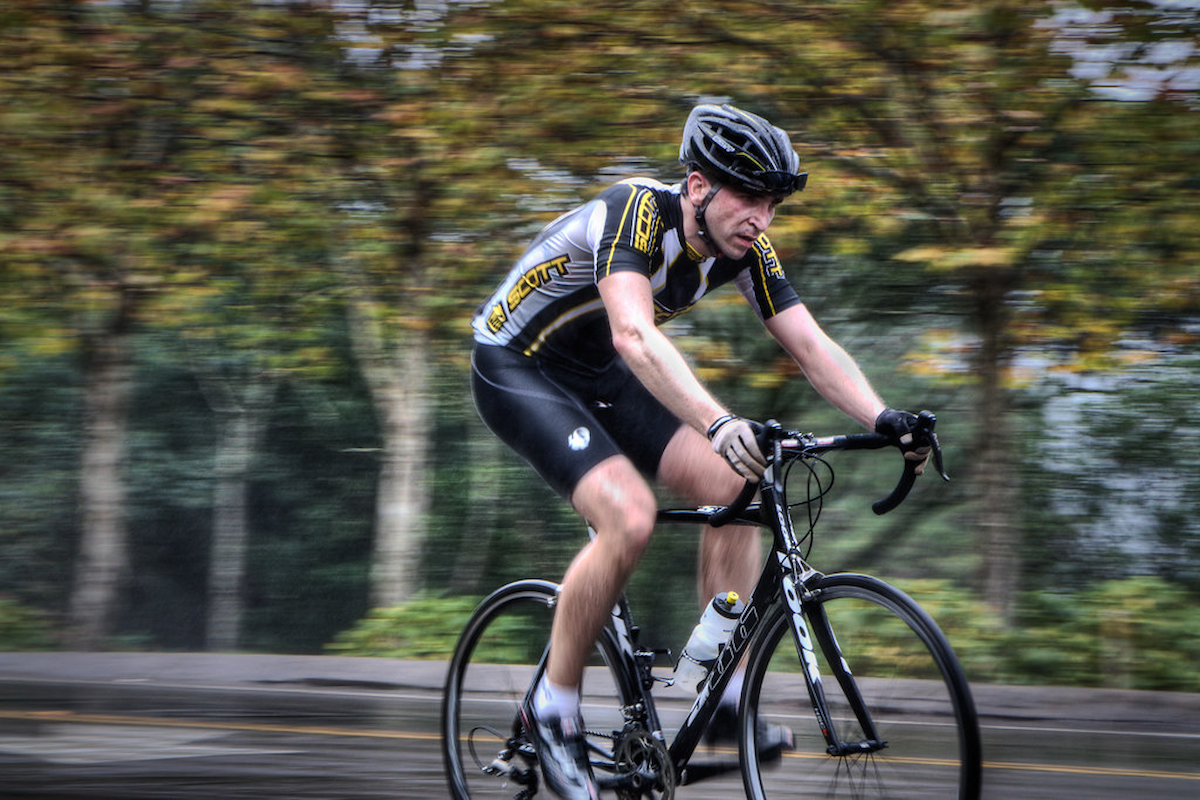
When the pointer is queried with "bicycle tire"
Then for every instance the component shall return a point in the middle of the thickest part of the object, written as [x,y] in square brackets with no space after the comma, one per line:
[907,674]
[499,652]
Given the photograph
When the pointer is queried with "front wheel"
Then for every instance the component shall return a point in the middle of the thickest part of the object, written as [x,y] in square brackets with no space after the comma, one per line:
[897,698]
[501,651]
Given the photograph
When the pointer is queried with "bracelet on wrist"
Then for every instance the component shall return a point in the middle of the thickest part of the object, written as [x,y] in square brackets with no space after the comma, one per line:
[716,426]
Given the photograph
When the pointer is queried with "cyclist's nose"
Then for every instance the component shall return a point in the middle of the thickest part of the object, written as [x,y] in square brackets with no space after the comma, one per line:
[762,213]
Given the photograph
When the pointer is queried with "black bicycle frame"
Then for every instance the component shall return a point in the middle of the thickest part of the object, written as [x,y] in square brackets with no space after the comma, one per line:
[786,574]
[789,575]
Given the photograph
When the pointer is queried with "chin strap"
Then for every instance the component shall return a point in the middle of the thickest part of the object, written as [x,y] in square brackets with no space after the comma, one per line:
[700,209]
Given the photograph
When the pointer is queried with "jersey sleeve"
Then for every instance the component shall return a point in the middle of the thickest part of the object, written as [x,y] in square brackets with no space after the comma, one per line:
[630,230]
[763,282]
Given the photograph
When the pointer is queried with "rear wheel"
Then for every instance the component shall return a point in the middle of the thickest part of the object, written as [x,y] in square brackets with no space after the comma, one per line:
[501,651]
[922,738]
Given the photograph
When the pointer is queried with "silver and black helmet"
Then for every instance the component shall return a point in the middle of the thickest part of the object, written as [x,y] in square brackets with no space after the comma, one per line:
[742,150]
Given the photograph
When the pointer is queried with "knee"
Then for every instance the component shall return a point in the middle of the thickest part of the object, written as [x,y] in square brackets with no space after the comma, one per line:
[627,527]
[621,507]
[639,526]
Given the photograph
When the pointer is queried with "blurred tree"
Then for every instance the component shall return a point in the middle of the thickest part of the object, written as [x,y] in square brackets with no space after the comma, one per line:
[425,234]
[74,243]
[959,144]
[245,174]
[255,125]
[171,167]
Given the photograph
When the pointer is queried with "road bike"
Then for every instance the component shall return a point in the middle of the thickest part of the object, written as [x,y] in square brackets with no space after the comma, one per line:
[877,702]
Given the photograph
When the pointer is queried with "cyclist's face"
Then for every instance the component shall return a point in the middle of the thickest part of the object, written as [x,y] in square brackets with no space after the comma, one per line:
[736,218]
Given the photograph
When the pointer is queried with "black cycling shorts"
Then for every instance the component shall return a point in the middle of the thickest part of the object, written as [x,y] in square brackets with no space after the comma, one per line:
[564,422]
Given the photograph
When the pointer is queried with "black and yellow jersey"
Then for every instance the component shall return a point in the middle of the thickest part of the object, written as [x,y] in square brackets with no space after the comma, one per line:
[549,306]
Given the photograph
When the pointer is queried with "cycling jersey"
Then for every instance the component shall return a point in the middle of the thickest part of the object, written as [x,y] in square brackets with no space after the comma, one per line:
[549,305]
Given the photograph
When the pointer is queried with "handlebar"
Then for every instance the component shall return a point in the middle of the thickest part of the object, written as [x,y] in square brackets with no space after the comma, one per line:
[774,441]
[727,514]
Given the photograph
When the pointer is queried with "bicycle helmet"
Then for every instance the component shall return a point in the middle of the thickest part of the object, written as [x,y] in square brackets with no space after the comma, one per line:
[742,150]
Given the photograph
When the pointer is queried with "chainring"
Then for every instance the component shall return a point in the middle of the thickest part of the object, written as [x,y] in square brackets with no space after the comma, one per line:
[638,751]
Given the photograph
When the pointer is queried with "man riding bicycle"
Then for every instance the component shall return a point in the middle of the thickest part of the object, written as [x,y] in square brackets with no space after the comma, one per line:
[571,370]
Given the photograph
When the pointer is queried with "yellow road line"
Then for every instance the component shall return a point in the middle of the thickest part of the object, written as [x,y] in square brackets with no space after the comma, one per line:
[1011,766]
[263,727]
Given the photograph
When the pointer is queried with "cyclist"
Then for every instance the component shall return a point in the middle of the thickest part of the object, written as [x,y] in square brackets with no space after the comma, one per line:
[571,370]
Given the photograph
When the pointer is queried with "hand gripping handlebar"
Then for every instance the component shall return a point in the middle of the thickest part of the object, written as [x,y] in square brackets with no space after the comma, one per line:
[923,435]
[771,435]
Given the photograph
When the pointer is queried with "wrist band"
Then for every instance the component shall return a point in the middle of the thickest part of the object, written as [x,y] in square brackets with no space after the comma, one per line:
[716,426]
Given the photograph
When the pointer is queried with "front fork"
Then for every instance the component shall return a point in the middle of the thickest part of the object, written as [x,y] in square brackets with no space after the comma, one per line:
[804,608]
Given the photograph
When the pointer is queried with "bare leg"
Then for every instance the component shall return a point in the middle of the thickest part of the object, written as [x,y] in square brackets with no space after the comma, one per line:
[620,506]
[730,556]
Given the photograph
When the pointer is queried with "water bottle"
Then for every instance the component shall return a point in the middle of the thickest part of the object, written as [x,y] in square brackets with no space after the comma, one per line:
[716,623]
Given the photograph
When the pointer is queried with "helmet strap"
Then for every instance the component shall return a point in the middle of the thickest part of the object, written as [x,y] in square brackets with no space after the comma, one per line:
[700,221]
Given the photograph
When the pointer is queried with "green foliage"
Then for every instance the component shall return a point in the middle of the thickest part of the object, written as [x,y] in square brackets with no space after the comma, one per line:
[23,628]
[976,633]
[427,628]
[1134,633]
[1137,633]
[38,477]
[244,174]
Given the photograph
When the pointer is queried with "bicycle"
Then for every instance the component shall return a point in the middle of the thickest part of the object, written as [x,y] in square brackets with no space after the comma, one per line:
[896,720]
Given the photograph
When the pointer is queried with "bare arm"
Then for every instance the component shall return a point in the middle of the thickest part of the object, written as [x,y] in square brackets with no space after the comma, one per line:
[829,368]
[651,355]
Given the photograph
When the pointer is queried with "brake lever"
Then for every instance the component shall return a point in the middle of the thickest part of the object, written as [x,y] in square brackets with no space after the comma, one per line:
[768,435]
[925,422]
[938,464]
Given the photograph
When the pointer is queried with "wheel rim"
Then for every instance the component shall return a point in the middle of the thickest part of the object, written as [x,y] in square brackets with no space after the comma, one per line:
[898,665]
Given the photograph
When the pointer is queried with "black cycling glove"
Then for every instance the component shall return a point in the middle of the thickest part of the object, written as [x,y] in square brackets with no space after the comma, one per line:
[898,426]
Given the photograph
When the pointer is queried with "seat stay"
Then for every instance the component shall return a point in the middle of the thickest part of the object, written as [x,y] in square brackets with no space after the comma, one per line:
[636,666]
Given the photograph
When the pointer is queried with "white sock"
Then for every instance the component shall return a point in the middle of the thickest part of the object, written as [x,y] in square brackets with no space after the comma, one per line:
[733,692]
[552,700]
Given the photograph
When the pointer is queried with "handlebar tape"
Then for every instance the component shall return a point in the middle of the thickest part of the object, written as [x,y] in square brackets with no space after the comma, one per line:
[734,509]
[907,479]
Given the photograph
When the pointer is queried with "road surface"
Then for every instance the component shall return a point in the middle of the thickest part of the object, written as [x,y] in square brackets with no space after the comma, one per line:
[203,726]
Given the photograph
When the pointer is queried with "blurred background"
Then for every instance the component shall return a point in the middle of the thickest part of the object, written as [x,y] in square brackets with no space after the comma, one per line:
[241,242]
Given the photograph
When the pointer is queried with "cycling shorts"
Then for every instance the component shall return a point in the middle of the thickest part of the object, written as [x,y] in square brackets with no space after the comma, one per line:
[565,422]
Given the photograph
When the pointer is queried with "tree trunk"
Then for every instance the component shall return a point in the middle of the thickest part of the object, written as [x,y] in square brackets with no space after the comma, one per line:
[398,371]
[994,469]
[102,564]
[483,493]
[227,557]
[241,404]
[402,402]
[239,430]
